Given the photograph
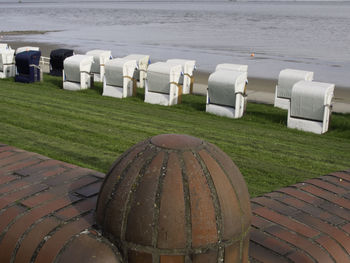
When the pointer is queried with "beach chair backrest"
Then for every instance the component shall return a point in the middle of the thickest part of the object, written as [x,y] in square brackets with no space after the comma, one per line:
[100,58]
[287,78]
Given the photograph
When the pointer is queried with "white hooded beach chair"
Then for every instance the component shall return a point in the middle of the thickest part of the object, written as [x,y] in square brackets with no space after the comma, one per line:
[119,81]
[7,63]
[98,66]
[188,67]
[226,90]
[286,80]
[310,106]
[240,68]
[27,48]
[143,62]
[4,46]
[162,84]
[77,72]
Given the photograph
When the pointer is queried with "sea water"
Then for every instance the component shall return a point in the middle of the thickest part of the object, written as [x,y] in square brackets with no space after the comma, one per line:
[267,36]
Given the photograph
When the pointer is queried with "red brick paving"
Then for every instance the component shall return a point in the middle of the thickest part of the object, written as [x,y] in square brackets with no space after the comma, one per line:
[7,178]
[9,215]
[45,204]
[346,228]
[265,255]
[298,256]
[282,221]
[34,238]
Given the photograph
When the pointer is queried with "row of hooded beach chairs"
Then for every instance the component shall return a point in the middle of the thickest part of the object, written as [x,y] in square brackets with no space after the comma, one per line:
[22,63]
[164,82]
[308,102]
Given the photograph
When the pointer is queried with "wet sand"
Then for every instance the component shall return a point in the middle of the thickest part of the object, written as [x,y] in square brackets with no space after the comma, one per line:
[259,90]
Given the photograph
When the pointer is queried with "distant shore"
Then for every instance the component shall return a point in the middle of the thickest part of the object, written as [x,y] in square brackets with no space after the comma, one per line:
[23,32]
[259,90]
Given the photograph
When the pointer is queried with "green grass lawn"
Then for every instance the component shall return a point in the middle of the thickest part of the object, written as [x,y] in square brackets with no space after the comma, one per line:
[89,130]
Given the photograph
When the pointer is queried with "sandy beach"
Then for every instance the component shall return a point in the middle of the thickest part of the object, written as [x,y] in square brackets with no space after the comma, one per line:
[45,48]
[259,90]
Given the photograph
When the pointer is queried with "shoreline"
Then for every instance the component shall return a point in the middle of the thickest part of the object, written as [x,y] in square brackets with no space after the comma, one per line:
[24,32]
[259,90]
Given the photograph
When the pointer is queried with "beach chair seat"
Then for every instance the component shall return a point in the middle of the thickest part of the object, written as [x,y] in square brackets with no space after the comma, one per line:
[57,57]
[286,80]
[310,106]
[119,81]
[162,84]
[7,63]
[226,93]
[26,48]
[27,67]
[187,79]
[143,62]
[77,72]
[98,65]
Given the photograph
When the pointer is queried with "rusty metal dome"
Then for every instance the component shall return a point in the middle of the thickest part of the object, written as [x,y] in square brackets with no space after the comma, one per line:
[176,198]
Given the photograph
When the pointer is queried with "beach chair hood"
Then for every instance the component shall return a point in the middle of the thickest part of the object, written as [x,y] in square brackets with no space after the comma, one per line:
[159,76]
[25,59]
[223,86]
[288,77]
[310,98]
[188,66]
[142,60]
[76,64]
[27,65]
[100,58]
[4,46]
[6,57]
[115,71]
[26,48]
[57,57]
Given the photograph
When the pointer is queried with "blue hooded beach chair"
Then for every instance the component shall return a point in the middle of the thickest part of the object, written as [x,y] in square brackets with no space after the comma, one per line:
[57,57]
[27,66]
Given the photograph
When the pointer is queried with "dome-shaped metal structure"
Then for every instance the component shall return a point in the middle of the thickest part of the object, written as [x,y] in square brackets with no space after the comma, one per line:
[176,198]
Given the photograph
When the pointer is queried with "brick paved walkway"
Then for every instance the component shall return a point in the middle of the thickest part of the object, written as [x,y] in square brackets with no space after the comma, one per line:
[306,222]
[45,204]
